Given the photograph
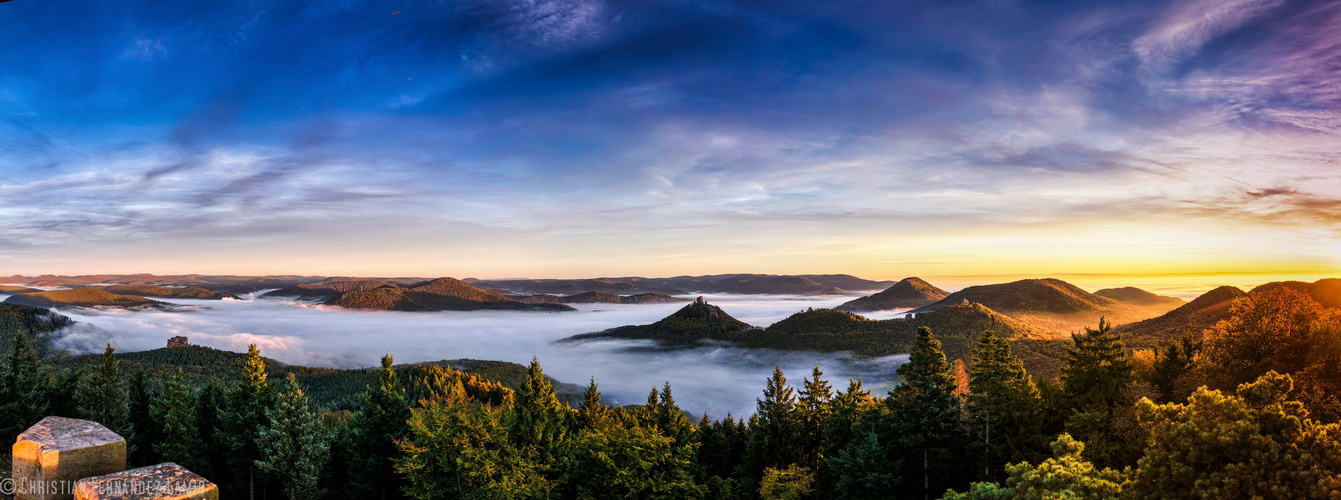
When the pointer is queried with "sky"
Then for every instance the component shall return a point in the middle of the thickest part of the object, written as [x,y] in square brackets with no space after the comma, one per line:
[578,138]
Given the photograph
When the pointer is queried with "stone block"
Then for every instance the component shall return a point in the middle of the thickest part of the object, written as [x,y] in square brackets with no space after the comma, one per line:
[53,454]
[166,481]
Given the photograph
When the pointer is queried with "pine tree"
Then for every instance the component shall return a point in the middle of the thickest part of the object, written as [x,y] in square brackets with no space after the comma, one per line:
[846,411]
[812,413]
[542,421]
[209,405]
[243,421]
[593,413]
[293,443]
[381,420]
[143,435]
[1003,405]
[922,427]
[774,439]
[179,438]
[670,420]
[1095,383]
[64,394]
[103,398]
[22,390]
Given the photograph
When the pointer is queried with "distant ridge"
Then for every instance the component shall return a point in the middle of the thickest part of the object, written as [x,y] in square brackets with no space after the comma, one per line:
[1056,305]
[441,294]
[90,297]
[1326,291]
[1190,319]
[328,288]
[828,330]
[908,293]
[749,284]
[599,298]
[190,292]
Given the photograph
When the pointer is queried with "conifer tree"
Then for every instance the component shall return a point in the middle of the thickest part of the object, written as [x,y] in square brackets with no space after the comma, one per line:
[143,435]
[103,398]
[542,421]
[812,413]
[22,390]
[922,428]
[382,419]
[773,440]
[846,410]
[1095,383]
[1003,405]
[63,396]
[243,421]
[293,443]
[174,416]
[592,413]
[209,405]
[670,420]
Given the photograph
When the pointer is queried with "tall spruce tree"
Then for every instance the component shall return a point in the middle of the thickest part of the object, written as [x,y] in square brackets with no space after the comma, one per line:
[812,413]
[774,439]
[242,424]
[209,405]
[592,413]
[173,414]
[293,443]
[143,432]
[542,421]
[846,410]
[922,428]
[63,396]
[103,398]
[1003,406]
[23,388]
[670,420]
[1096,383]
[382,419]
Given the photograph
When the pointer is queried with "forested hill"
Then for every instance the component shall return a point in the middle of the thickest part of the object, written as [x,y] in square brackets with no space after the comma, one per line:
[908,293]
[85,297]
[33,322]
[829,330]
[1058,306]
[441,294]
[1190,319]
[329,388]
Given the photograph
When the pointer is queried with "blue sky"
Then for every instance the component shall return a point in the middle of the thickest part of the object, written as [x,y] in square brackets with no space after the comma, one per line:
[583,137]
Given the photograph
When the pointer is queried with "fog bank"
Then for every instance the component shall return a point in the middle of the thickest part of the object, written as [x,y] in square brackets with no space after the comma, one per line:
[713,379]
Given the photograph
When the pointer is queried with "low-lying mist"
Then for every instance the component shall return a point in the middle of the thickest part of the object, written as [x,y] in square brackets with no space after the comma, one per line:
[712,379]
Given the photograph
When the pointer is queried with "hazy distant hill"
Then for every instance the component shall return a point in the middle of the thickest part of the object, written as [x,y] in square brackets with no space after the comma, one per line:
[683,285]
[441,294]
[225,283]
[829,330]
[328,288]
[619,286]
[599,298]
[847,282]
[1190,319]
[17,289]
[190,292]
[1056,305]
[908,293]
[84,297]
[1137,296]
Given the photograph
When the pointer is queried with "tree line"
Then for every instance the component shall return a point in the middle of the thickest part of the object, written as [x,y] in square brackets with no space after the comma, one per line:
[1249,409]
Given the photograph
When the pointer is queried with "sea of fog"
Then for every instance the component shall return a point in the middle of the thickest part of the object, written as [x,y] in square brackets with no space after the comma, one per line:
[712,379]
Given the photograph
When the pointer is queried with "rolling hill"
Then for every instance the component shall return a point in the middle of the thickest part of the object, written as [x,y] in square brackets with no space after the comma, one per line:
[441,294]
[17,289]
[599,298]
[1056,305]
[34,322]
[1326,291]
[327,288]
[828,330]
[91,297]
[1189,319]
[189,292]
[909,293]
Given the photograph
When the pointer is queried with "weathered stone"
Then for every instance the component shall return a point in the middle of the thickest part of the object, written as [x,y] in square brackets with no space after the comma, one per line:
[53,454]
[178,341]
[166,481]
